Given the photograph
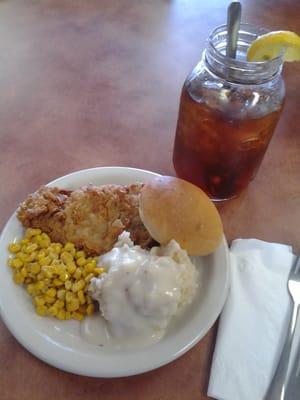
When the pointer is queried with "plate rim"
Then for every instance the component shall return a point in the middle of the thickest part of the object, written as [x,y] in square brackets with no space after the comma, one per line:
[133,371]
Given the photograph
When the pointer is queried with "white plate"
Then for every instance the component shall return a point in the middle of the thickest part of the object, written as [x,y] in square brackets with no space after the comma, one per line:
[60,344]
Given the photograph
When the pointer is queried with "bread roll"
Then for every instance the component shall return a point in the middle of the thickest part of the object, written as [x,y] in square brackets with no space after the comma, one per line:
[172,208]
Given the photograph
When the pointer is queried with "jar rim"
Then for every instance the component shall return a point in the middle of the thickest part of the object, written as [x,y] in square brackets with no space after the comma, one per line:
[263,70]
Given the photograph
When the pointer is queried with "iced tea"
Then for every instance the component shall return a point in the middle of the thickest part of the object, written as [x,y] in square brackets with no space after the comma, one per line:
[220,151]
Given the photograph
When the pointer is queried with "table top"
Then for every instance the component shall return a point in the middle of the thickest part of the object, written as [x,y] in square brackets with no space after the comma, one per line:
[97,83]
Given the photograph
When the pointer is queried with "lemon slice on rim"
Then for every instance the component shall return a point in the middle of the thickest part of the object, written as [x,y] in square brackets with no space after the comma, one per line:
[272,44]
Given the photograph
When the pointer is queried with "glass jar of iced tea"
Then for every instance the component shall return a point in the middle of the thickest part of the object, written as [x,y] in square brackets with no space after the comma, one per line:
[228,111]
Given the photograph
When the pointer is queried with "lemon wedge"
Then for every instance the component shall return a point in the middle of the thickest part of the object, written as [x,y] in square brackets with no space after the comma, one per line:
[272,44]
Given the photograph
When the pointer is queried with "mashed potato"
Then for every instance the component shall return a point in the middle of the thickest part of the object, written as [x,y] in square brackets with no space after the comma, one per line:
[142,290]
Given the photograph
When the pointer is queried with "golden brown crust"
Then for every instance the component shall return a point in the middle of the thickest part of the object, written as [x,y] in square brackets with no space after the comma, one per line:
[91,217]
[172,208]
[45,209]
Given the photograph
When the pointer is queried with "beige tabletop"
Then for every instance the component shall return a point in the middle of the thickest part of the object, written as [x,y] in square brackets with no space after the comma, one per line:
[97,83]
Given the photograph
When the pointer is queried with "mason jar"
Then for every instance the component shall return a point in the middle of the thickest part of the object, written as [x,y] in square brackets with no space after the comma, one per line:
[228,111]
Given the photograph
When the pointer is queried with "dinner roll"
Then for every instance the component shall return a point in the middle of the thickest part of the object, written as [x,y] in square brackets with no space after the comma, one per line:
[172,208]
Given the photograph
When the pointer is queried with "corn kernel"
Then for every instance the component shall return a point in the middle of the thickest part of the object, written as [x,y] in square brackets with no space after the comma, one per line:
[44,261]
[64,277]
[61,294]
[41,310]
[39,300]
[81,261]
[81,297]
[78,286]
[51,292]
[22,256]
[14,247]
[69,296]
[59,304]
[17,263]
[69,247]
[80,254]
[90,309]
[24,242]
[30,288]
[24,272]
[53,256]
[41,254]
[71,267]
[40,285]
[77,273]
[53,311]
[88,278]
[55,248]
[73,305]
[89,267]
[32,256]
[61,314]
[99,271]
[68,315]
[66,257]
[18,278]
[49,299]
[34,268]
[31,248]
[77,315]
[68,285]
[89,300]
[30,232]
[57,282]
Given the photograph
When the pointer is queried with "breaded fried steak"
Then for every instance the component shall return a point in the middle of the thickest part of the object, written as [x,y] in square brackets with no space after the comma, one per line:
[91,217]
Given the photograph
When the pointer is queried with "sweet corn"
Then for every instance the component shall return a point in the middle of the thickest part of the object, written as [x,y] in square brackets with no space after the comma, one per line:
[73,305]
[31,248]
[39,300]
[71,267]
[53,311]
[69,297]
[81,261]
[32,232]
[17,263]
[18,278]
[80,254]
[68,315]
[49,300]
[77,274]
[78,286]
[59,304]
[57,282]
[51,292]
[55,276]
[34,268]
[61,294]
[64,276]
[24,272]
[61,314]
[77,315]
[69,247]
[14,247]
[98,271]
[81,297]
[90,309]
[41,310]
[68,285]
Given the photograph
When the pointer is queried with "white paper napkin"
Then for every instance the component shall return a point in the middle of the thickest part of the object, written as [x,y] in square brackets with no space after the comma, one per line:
[253,322]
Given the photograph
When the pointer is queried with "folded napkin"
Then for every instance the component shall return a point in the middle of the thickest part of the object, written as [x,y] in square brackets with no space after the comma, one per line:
[253,323]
